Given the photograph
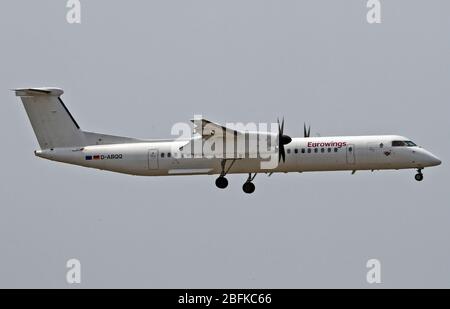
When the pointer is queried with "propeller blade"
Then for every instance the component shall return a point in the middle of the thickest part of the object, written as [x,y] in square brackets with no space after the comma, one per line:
[282,140]
[282,154]
[306,132]
[279,126]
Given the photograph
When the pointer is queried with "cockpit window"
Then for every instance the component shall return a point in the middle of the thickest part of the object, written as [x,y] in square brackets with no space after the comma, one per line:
[398,144]
[403,144]
[410,144]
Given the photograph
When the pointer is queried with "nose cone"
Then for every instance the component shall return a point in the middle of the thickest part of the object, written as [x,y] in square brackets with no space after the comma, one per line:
[431,159]
[424,158]
[434,161]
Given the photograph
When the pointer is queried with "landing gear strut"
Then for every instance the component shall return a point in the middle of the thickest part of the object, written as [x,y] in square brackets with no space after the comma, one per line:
[249,186]
[419,175]
[221,181]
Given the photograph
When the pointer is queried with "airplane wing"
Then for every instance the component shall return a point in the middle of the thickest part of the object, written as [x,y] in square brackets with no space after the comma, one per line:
[212,137]
[209,129]
[211,133]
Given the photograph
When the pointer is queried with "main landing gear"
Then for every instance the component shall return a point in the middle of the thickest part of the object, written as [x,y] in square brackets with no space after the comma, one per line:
[419,175]
[249,186]
[222,182]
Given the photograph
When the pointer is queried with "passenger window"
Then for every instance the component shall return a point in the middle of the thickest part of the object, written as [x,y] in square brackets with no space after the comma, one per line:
[168,155]
[350,149]
[309,150]
[303,150]
[329,149]
[296,150]
[316,150]
[335,150]
[322,150]
[162,154]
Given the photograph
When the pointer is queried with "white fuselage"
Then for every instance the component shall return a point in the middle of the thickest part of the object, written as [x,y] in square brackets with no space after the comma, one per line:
[158,158]
[213,148]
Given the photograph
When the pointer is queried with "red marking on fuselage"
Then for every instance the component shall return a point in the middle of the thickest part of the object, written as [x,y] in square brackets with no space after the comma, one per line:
[327,144]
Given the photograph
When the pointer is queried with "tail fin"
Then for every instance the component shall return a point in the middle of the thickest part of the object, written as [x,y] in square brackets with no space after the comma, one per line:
[52,122]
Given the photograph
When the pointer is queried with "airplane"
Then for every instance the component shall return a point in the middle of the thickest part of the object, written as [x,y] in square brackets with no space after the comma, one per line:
[61,139]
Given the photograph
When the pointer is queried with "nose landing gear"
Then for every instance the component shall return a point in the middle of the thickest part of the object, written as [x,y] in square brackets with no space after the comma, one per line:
[419,175]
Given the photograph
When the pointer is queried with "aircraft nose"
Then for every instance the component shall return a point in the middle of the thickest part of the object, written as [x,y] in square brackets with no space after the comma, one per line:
[437,161]
[434,161]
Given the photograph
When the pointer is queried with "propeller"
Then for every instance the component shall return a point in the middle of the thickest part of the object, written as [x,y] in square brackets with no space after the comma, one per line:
[306,132]
[282,140]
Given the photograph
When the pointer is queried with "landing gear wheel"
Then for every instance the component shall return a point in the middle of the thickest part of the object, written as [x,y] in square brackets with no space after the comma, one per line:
[419,176]
[221,182]
[248,187]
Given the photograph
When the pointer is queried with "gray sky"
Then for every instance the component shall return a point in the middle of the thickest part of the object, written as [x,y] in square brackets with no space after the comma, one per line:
[135,68]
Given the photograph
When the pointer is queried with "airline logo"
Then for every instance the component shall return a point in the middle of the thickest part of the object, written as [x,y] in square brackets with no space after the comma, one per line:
[327,144]
[104,157]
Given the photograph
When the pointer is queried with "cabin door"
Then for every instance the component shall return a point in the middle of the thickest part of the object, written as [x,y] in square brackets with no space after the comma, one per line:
[351,154]
[153,159]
